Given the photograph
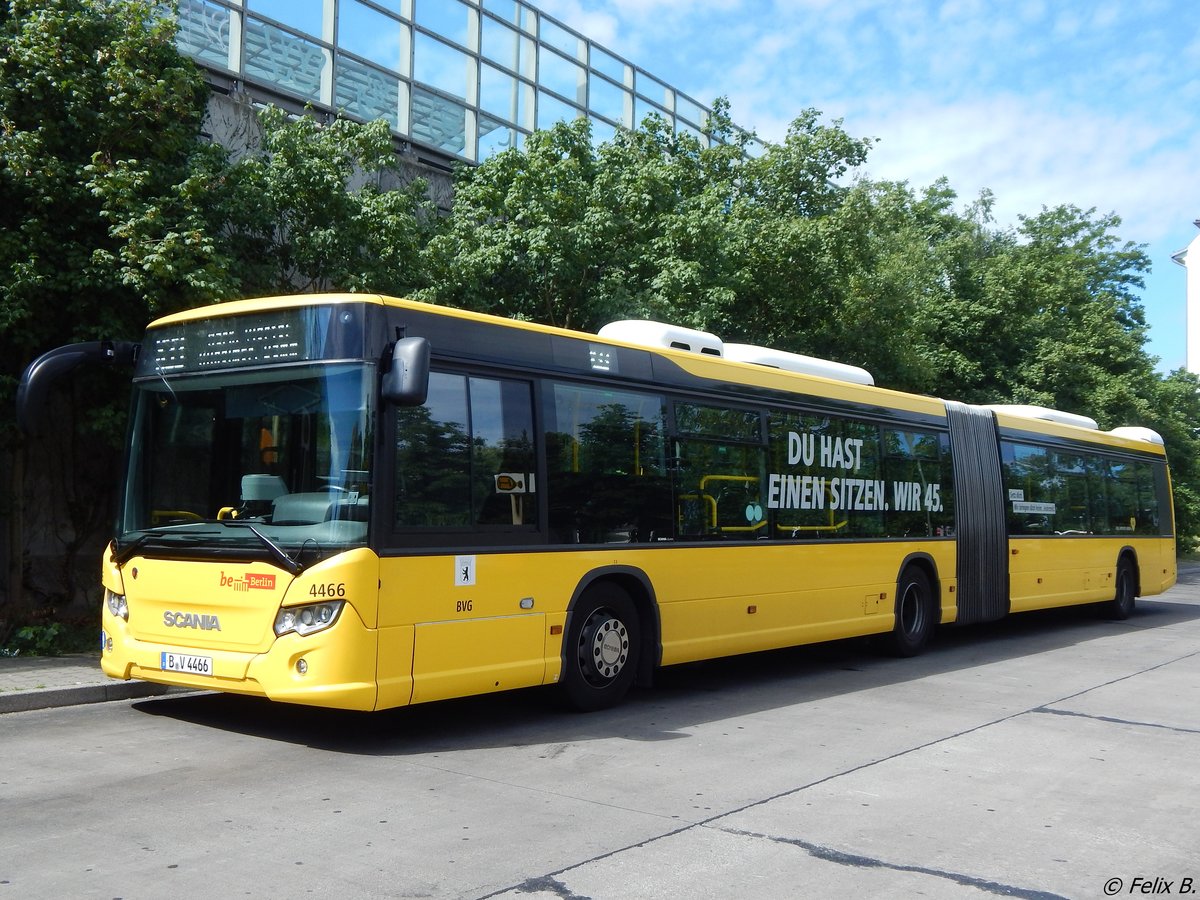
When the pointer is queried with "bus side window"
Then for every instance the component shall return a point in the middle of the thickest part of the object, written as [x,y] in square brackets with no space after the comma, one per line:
[919,497]
[721,470]
[433,458]
[503,481]
[826,480]
[465,457]
[606,466]
[1072,496]
[1147,500]
[1031,488]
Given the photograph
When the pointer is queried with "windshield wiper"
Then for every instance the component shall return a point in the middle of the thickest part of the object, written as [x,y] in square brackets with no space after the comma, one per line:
[122,555]
[285,562]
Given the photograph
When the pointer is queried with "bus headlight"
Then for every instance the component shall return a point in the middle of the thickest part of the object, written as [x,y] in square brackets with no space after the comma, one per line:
[305,620]
[117,604]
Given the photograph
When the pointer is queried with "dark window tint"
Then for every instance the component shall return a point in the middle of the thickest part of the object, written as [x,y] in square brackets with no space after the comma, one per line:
[1061,492]
[920,489]
[1029,483]
[826,477]
[720,472]
[1133,498]
[465,458]
[693,419]
[606,466]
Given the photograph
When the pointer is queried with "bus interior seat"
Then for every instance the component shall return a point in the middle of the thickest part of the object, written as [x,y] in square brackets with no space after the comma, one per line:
[312,507]
[307,508]
[596,508]
[357,510]
[262,487]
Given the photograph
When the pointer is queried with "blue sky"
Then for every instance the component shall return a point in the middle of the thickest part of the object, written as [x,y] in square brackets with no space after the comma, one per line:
[1095,103]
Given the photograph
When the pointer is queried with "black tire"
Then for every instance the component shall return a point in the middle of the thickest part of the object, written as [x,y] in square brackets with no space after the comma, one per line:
[600,655]
[1124,599]
[916,615]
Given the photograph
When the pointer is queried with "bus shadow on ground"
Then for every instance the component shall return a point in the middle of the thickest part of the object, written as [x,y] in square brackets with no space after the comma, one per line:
[682,696]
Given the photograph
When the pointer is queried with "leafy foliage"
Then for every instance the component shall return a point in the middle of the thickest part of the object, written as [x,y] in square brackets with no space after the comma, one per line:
[310,212]
[103,223]
[113,209]
[33,640]
[99,137]
[48,638]
[795,249]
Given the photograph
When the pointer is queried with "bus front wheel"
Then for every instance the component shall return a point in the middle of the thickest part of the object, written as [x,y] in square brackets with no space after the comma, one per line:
[1125,597]
[601,652]
[916,615]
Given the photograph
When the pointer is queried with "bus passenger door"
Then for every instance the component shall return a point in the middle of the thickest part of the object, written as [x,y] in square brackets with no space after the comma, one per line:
[719,471]
[464,477]
[1056,506]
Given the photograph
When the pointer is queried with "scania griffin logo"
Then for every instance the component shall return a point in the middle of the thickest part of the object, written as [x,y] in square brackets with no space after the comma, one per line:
[204,622]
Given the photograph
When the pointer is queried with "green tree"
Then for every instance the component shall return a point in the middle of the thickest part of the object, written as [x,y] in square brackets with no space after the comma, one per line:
[99,149]
[964,324]
[574,234]
[1173,410]
[651,224]
[321,208]
[1085,333]
[102,217]
[524,238]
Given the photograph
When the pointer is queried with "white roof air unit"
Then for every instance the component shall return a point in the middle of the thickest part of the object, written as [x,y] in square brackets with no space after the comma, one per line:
[796,362]
[659,334]
[1044,413]
[1138,433]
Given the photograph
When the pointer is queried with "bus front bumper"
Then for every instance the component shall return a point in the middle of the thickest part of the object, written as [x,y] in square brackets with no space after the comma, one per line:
[334,668]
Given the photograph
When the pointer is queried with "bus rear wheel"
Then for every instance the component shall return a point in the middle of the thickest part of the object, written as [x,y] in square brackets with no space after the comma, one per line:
[600,656]
[916,615]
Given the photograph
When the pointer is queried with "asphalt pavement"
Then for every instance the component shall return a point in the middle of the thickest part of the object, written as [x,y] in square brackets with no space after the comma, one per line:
[1051,755]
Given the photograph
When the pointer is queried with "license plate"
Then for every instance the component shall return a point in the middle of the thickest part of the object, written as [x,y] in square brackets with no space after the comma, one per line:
[181,662]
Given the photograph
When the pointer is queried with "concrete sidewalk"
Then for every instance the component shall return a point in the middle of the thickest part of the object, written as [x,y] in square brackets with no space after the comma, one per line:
[38,682]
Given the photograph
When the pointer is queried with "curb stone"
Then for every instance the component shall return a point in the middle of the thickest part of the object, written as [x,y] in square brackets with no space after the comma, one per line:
[46,698]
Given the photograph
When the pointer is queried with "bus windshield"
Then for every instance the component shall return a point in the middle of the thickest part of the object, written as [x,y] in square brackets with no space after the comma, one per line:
[250,462]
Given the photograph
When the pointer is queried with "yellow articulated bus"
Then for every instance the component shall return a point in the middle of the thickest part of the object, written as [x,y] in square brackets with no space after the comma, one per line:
[362,502]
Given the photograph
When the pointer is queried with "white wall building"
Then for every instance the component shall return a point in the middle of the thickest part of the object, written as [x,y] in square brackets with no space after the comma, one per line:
[1189,258]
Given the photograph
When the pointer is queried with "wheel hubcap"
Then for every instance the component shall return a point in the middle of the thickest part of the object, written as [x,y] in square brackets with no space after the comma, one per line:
[603,647]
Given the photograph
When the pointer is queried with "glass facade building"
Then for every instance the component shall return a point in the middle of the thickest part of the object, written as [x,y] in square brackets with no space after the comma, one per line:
[465,78]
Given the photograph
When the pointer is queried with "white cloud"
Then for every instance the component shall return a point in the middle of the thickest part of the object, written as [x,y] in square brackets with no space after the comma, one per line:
[1090,114]
[1031,154]
[598,25]
[1094,103]
[651,8]
[634,29]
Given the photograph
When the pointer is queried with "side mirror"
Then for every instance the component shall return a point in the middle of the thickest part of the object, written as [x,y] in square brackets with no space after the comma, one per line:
[54,364]
[406,383]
